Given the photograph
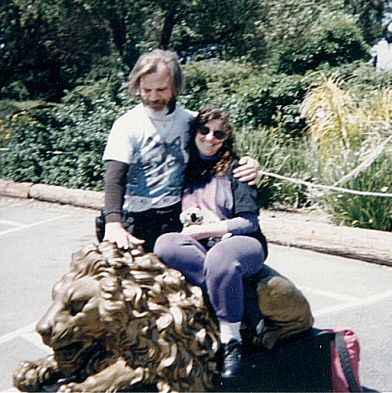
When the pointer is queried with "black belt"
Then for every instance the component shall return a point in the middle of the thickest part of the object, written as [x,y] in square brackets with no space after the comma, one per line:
[157,212]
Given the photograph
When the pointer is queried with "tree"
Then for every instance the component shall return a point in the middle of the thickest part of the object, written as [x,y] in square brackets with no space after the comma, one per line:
[47,45]
[370,15]
[332,39]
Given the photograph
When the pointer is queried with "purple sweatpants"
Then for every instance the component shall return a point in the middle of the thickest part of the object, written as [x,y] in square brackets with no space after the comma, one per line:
[219,271]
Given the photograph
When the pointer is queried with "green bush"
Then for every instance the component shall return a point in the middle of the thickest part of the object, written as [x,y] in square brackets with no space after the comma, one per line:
[371,212]
[297,160]
[282,156]
[252,96]
[60,145]
[9,112]
[333,39]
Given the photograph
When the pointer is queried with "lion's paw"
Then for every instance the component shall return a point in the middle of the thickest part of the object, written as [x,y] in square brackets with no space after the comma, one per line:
[26,377]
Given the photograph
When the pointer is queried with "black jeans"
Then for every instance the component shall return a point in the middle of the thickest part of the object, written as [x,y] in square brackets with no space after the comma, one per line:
[147,225]
[151,224]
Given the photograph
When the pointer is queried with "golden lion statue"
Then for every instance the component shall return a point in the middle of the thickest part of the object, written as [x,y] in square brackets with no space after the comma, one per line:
[120,320]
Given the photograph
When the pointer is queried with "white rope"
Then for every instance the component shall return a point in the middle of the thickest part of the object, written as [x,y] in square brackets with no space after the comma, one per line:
[333,188]
[369,159]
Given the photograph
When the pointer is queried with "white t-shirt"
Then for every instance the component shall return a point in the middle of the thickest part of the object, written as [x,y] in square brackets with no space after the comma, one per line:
[154,149]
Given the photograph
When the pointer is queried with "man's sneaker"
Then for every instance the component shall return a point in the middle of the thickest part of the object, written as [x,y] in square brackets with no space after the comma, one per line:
[232,359]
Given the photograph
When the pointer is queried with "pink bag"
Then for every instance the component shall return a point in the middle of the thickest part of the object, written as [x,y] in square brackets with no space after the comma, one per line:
[345,361]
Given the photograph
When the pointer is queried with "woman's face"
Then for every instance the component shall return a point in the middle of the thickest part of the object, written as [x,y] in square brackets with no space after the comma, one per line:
[209,144]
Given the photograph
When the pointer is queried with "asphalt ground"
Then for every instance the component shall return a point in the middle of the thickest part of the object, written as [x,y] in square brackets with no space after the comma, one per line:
[37,240]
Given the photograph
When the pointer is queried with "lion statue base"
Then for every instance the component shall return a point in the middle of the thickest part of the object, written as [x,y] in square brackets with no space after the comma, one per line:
[123,319]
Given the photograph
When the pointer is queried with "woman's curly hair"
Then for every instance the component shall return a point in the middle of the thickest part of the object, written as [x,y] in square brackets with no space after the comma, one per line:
[225,154]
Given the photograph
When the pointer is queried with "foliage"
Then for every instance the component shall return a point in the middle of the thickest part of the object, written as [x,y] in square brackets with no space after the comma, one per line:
[210,79]
[63,143]
[369,13]
[48,46]
[253,97]
[339,121]
[331,38]
[233,34]
[282,157]
[365,79]
[297,160]
[60,144]
[353,135]
[83,120]
[371,212]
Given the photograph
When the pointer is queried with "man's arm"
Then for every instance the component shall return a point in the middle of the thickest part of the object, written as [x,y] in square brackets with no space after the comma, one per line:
[115,181]
[247,170]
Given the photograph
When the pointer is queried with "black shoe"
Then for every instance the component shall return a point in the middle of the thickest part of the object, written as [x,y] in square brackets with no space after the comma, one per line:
[232,359]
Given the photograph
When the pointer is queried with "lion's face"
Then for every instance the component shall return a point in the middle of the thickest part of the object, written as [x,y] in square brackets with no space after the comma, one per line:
[73,322]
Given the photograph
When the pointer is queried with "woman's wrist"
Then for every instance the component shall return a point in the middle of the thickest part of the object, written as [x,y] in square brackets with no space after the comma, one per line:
[205,231]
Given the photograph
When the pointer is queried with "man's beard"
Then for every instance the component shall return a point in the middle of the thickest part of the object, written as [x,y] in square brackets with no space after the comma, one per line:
[159,108]
[156,113]
[156,106]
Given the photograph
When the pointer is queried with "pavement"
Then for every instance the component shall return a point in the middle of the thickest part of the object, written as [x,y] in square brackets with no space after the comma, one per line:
[303,229]
[41,226]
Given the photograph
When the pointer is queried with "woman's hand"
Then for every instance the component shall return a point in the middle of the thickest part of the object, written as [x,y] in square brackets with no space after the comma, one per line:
[247,170]
[204,231]
[194,231]
[115,233]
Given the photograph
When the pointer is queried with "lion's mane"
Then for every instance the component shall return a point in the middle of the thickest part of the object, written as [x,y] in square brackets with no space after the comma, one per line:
[153,318]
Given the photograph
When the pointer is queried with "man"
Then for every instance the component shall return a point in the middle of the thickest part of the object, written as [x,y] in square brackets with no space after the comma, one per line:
[146,156]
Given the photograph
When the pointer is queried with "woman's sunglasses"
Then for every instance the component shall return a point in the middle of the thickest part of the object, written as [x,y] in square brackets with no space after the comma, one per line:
[218,134]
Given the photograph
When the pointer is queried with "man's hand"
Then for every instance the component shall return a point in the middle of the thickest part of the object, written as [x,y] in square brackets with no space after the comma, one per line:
[247,170]
[115,233]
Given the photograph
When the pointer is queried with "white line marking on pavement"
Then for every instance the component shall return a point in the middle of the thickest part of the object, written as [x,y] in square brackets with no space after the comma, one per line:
[12,223]
[24,330]
[355,303]
[34,224]
[333,295]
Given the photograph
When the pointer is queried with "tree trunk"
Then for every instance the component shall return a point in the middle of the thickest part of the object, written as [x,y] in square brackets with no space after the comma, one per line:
[170,21]
[119,33]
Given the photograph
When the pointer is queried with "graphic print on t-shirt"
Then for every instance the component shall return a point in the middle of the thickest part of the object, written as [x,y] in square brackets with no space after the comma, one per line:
[156,170]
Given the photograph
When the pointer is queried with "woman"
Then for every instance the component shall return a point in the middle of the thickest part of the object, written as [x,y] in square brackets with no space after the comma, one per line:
[228,246]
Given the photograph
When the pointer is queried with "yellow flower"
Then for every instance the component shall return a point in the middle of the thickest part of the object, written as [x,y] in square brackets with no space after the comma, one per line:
[7,136]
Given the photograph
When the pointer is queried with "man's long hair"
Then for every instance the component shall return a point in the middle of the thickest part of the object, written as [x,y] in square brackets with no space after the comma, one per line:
[148,64]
